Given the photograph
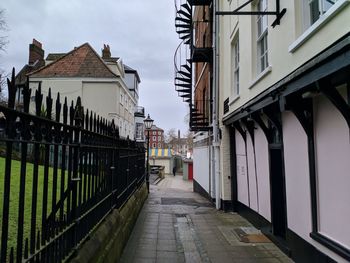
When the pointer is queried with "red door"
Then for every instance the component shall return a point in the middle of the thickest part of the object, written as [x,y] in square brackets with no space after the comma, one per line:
[190,171]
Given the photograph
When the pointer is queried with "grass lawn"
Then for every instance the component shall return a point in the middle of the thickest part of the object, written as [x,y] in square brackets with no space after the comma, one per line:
[14,197]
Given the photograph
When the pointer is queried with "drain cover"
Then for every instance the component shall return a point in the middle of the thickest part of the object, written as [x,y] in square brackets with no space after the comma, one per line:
[251,235]
[182,201]
[255,238]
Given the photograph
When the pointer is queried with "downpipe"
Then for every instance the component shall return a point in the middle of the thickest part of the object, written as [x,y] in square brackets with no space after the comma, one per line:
[216,139]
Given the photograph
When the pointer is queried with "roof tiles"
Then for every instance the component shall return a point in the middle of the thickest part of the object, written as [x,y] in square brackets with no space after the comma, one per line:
[82,61]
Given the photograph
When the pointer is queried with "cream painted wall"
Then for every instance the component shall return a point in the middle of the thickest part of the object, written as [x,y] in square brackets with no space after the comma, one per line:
[70,88]
[164,162]
[99,95]
[280,38]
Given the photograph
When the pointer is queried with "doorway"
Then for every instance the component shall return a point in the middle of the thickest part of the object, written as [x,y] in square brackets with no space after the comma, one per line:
[277,183]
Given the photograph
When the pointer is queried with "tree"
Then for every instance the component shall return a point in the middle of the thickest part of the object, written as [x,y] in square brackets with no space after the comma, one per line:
[170,135]
[3,28]
[189,139]
[3,43]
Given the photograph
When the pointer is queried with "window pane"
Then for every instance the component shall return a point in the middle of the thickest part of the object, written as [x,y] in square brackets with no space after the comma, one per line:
[314,10]
[327,4]
[260,29]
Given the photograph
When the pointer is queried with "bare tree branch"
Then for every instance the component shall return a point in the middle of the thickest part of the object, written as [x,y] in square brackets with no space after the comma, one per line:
[3,44]
[3,28]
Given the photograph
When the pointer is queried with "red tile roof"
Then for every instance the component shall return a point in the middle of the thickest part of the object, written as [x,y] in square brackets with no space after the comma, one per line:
[82,61]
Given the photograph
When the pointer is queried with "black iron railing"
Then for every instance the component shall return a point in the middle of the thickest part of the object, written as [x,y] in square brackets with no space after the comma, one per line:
[62,170]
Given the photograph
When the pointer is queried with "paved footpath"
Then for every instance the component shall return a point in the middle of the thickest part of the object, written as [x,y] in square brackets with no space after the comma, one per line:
[177,225]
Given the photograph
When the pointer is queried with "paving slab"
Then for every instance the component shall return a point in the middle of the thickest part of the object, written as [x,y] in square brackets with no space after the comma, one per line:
[178,225]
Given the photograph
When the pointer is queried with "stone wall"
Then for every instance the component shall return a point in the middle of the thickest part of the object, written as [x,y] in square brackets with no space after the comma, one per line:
[106,243]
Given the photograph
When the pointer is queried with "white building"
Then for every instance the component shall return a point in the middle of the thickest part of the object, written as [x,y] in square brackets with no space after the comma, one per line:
[285,119]
[102,83]
[281,80]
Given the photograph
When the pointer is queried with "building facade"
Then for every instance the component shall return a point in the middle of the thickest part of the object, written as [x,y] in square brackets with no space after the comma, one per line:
[156,137]
[280,95]
[101,81]
[181,146]
[194,83]
[284,96]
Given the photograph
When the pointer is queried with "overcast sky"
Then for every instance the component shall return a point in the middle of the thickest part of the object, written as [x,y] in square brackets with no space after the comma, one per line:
[141,32]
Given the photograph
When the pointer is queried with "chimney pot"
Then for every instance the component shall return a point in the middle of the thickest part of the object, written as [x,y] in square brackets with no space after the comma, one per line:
[106,51]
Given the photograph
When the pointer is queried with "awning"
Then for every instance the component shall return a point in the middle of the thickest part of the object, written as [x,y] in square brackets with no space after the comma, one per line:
[156,152]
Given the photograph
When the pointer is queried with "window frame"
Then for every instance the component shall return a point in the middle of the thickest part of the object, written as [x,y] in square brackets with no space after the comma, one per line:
[309,30]
[261,37]
[235,66]
[320,10]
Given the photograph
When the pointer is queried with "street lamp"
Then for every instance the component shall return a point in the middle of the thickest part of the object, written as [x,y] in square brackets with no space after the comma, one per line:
[148,125]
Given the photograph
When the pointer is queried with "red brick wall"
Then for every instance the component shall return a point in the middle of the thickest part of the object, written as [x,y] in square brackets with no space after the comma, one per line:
[202,38]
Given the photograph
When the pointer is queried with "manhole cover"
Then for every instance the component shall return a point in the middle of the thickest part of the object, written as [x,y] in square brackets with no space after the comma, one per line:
[255,238]
[251,235]
[182,201]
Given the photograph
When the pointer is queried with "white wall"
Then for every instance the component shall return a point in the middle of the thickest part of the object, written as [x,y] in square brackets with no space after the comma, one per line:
[332,153]
[253,191]
[101,95]
[242,179]
[296,176]
[100,98]
[70,88]
[263,172]
[225,164]
[164,162]
[332,148]
[282,61]
[201,166]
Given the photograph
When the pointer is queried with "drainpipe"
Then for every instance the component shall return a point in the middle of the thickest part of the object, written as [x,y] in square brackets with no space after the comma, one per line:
[216,139]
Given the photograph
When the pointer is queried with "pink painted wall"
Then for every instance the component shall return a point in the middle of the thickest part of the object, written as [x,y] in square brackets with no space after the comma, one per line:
[263,173]
[253,191]
[332,147]
[242,183]
[297,176]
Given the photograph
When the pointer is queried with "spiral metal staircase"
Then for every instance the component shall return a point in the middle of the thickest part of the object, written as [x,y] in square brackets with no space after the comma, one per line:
[185,56]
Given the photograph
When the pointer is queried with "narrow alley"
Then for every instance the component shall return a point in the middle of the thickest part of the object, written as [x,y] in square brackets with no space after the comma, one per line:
[178,225]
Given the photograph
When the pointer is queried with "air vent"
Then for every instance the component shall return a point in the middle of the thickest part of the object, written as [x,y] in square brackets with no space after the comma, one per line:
[226,107]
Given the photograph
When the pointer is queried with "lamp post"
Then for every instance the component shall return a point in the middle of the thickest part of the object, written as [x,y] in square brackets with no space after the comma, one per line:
[148,125]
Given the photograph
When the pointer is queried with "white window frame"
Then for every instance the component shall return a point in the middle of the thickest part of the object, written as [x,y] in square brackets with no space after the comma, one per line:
[262,46]
[310,30]
[235,67]
[320,8]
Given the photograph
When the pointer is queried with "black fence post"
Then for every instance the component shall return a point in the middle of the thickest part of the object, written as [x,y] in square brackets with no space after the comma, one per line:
[78,115]
[78,171]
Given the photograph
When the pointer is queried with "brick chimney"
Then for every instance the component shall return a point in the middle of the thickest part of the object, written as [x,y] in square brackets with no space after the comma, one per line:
[35,52]
[106,52]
